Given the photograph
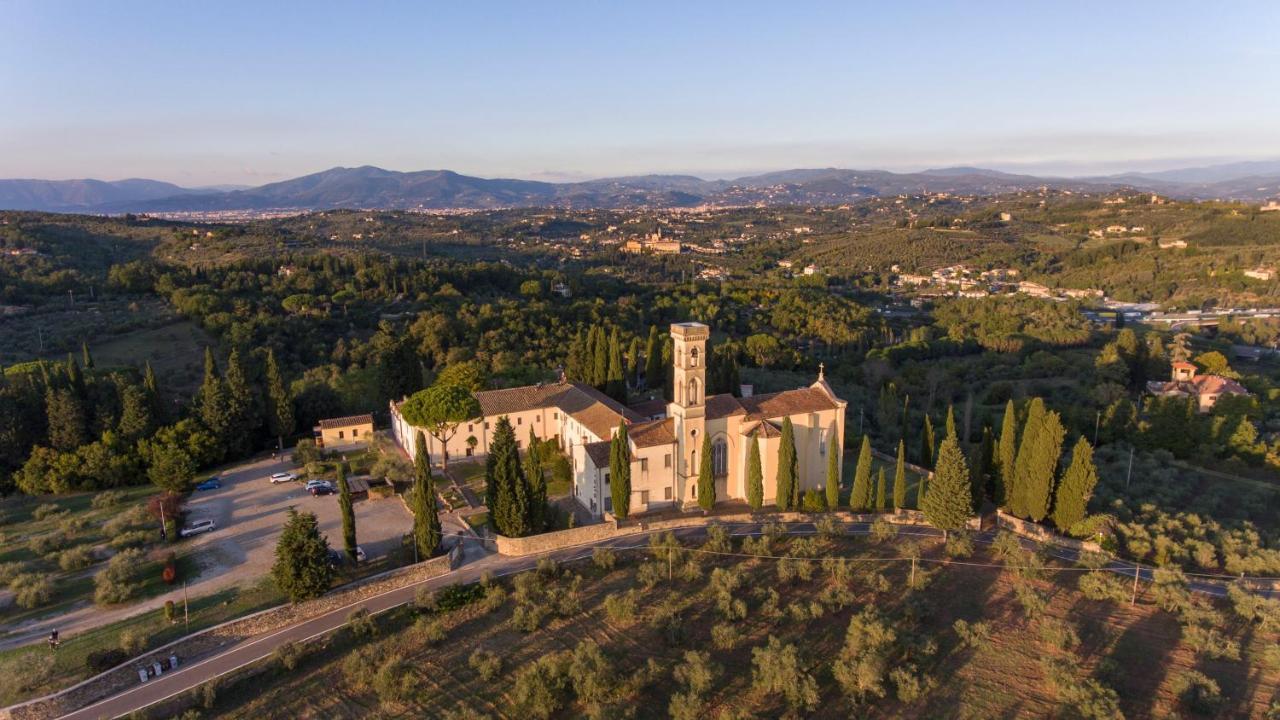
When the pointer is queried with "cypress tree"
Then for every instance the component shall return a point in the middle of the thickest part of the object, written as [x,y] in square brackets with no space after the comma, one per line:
[948,503]
[706,481]
[982,467]
[1022,472]
[426,518]
[620,473]
[900,477]
[1076,487]
[833,474]
[537,478]
[511,514]
[668,370]
[927,443]
[787,467]
[951,422]
[881,499]
[653,374]
[214,405]
[65,418]
[755,475]
[280,419]
[574,363]
[241,406]
[633,362]
[615,378]
[1043,470]
[860,497]
[600,359]
[1006,459]
[348,513]
[75,378]
[86,358]
[302,570]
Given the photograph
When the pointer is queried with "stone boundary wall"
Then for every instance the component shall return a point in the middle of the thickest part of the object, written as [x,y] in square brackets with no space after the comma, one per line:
[1040,533]
[547,542]
[194,646]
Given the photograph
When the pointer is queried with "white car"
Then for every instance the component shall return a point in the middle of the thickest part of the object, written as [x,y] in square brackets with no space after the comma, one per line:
[281,477]
[198,527]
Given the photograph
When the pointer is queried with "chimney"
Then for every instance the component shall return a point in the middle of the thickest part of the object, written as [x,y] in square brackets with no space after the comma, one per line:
[746,390]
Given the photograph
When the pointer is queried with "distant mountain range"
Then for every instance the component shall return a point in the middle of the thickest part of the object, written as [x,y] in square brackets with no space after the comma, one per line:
[371,187]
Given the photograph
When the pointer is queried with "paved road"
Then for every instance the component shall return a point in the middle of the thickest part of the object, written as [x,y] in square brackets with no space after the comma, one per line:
[253,649]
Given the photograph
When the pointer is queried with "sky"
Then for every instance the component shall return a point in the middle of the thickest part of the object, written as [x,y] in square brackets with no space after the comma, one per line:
[232,92]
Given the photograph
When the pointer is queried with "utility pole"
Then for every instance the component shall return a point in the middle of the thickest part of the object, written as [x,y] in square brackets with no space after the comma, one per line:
[1129,475]
[912,582]
[1134,598]
[186,615]
[1096,422]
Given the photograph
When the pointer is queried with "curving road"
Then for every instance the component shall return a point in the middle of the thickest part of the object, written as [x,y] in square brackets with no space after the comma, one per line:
[255,649]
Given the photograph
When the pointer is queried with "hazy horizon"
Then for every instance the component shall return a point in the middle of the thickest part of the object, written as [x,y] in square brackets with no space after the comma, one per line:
[246,95]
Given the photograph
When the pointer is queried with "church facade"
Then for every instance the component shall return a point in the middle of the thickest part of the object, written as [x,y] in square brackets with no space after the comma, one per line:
[664,441]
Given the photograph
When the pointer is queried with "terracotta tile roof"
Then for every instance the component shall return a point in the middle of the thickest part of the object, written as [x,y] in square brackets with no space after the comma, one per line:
[649,408]
[598,452]
[766,428]
[518,399]
[654,432]
[597,412]
[787,402]
[1217,385]
[720,406]
[342,422]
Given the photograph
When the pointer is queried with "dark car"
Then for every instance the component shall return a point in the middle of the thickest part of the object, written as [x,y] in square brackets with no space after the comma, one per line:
[322,489]
[212,483]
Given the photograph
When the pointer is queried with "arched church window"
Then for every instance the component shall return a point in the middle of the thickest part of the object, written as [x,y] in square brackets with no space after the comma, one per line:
[719,457]
[693,357]
[693,391]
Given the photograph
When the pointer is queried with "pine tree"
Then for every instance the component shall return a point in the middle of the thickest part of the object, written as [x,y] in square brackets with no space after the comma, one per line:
[1076,487]
[927,443]
[136,420]
[787,467]
[860,497]
[1006,457]
[426,518]
[755,474]
[66,419]
[348,513]
[280,419]
[620,473]
[511,514]
[833,474]
[653,372]
[537,478]
[615,377]
[302,570]
[947,506]
[706,480]
[881,499]
[1022,472]
[900,478]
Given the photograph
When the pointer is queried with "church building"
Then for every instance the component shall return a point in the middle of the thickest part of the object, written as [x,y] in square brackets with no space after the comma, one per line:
[664,441]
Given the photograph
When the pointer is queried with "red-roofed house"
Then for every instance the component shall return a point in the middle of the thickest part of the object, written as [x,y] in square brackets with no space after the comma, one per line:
[1206,389]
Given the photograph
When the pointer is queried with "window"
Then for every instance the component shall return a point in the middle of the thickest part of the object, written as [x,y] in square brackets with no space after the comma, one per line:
[693,357]
[644,465]
[644,497]
[486,424]
[822,441]
[339,434]
[719,457]
[666,493]
[468,452]
[606,478]
[519,421]
[666,460]
[470,427]
[693,391]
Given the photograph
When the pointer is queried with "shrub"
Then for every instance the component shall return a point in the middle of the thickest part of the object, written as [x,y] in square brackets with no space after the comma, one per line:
[31,590]
[456,596]
[1103,585]
[725,636]
[74,523]
[959,545]
[882,530]
[813,501]
[11,570]
[356,665]
[539,689]
[604,558]
[494,598]
[718,539]
[621,607]
[909,686]
[649,574]
[1058,634]
[49,542]
[528,618]
[776,668]
[106,499]
[290,655]
[133,518]
[1210,643]
[1033,603]
[425,600]
[131,539]
[976,635]
[361,624]
[827,527]
[1197,692]
[47,510]
[76,558]
[548,567]
[170,611]
[759,546]
[430,632]
[394,681]
[118,581]
[486,664]
[132,641]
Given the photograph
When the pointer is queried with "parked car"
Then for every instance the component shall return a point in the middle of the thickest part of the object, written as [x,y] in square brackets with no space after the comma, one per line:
[197,528]
[338,557]
[323,487]
[212,483]
[283,477]
[360,556]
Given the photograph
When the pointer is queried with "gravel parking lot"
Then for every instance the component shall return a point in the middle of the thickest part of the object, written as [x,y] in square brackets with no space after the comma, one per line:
[250,511]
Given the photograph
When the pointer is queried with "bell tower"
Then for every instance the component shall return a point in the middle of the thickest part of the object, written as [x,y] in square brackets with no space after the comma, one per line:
[689,387]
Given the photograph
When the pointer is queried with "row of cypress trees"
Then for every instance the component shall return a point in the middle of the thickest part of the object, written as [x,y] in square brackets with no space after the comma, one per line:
[1026,468]
[515,492]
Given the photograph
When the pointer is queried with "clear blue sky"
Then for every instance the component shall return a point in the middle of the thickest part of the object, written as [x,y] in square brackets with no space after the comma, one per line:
[252,92]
